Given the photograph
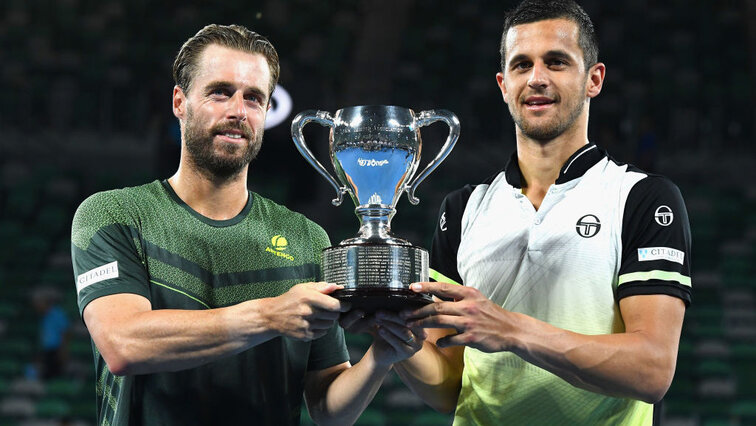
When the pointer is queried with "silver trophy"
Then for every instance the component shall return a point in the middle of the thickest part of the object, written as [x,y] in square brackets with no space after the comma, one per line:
[375,152]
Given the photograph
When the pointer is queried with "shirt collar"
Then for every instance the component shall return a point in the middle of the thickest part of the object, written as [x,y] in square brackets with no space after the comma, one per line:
[575,166]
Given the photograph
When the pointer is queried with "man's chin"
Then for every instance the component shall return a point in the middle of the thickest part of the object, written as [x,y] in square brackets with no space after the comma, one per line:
[542,133]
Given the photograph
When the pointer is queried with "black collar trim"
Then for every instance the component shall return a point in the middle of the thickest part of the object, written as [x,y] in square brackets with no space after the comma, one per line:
[575,166]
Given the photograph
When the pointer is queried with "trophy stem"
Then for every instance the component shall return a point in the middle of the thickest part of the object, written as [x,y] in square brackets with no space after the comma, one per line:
[375,226]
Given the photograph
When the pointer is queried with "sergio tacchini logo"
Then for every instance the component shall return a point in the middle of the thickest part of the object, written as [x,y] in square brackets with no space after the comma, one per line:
[588,226]
[280,245]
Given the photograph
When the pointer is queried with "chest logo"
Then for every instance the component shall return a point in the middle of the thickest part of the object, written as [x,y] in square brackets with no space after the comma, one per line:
[588,226]
[664,216]
[442,222]
[280,245]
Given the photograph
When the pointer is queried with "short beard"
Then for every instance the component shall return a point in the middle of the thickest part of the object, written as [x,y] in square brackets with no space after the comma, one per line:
[550,131]
[199,145]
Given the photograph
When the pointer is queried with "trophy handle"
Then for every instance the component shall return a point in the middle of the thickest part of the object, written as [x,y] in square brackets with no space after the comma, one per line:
[425,118]
[324,119]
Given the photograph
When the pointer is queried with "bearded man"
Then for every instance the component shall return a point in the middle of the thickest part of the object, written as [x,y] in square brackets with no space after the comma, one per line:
[199,294]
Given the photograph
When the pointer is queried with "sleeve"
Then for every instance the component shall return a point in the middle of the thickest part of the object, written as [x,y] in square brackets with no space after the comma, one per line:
[655,241]
[328,350]
[447,236]
[320,240]
[104,253]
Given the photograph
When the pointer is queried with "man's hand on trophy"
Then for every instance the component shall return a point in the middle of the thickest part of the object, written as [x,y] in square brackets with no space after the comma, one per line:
[392,340]
[358,321]
[305,312]
[395,341]
[480,323]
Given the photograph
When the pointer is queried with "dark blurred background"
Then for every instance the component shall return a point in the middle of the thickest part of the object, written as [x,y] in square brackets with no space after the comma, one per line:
[85,106]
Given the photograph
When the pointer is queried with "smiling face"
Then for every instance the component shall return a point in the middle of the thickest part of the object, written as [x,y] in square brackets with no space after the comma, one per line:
[544,82]
[223,114]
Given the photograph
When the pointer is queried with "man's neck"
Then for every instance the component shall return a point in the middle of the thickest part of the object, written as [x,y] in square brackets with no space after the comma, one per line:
[541,162]
[217,199]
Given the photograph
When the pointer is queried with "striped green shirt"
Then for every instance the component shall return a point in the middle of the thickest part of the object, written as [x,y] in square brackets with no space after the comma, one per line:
[145,240]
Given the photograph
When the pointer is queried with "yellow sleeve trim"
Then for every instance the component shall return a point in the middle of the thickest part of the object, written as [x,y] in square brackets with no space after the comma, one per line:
[438,276]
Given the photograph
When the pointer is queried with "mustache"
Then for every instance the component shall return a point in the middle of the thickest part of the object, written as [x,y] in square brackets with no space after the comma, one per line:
[232,125]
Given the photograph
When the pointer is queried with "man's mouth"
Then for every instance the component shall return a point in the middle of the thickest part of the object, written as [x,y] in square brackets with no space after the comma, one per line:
[538,100]
[538,103]
[232,134]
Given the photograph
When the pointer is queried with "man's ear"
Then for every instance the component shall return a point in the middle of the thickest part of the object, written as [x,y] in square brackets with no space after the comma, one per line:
[595,80]
[502,86]
[179,102]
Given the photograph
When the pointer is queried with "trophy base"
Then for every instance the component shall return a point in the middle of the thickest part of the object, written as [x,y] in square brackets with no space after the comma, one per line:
[377,276]
[370,300]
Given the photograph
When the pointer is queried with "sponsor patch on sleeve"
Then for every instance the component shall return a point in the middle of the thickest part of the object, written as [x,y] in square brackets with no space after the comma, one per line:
[96,275]
[660,253]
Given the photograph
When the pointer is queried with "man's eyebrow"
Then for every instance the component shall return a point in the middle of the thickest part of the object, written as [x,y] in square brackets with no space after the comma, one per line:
[551,54]
[517,58]
[218,85]
[559,54]
[221,84]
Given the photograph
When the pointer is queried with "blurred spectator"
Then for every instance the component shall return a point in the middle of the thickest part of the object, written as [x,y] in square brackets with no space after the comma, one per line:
[53,333]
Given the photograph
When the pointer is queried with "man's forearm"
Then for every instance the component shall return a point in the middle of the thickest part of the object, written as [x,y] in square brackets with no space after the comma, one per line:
[347,396]
[630,364]
[433,376]
[638,363]
[171,340]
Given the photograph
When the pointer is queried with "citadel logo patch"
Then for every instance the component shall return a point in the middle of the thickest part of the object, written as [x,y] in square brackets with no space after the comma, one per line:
[442,222]
[588,226]
[96,275]
[664,216]
[661,253]
[280,244]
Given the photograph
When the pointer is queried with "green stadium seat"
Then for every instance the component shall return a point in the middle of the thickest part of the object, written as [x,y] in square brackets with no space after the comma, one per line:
[431,418]
[10,367]
[51,407]
[84,409]
[7,310]
[80,348]
[372,417]
[63,388]
[717,421]
[709,367]
[20,347]
[744,411]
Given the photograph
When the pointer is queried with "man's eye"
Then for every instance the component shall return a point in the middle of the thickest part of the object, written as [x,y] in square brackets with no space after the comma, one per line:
[218,92]
[522,65]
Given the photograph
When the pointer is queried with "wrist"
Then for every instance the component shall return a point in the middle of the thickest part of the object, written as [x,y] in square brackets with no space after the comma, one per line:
[516,341]
[378,364]
[254,318]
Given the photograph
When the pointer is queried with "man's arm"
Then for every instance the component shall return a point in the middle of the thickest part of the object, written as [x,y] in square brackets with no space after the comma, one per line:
[638,363]
[435,374]
[134,339]
[339,394]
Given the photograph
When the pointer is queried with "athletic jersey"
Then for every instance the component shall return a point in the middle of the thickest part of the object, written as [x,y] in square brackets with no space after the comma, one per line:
[604,231]
[145,240]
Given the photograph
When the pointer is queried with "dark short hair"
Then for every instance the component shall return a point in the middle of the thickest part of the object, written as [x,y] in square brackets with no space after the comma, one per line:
[540,10]
[231,36]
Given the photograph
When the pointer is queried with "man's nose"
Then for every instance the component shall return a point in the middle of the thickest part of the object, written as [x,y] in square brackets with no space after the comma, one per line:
[237,109]
[538,76]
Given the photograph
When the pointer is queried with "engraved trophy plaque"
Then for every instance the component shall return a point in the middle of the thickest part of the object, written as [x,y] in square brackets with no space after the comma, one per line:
[375,152]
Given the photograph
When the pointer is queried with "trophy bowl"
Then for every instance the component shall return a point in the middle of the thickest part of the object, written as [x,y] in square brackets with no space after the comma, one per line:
[375,151]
